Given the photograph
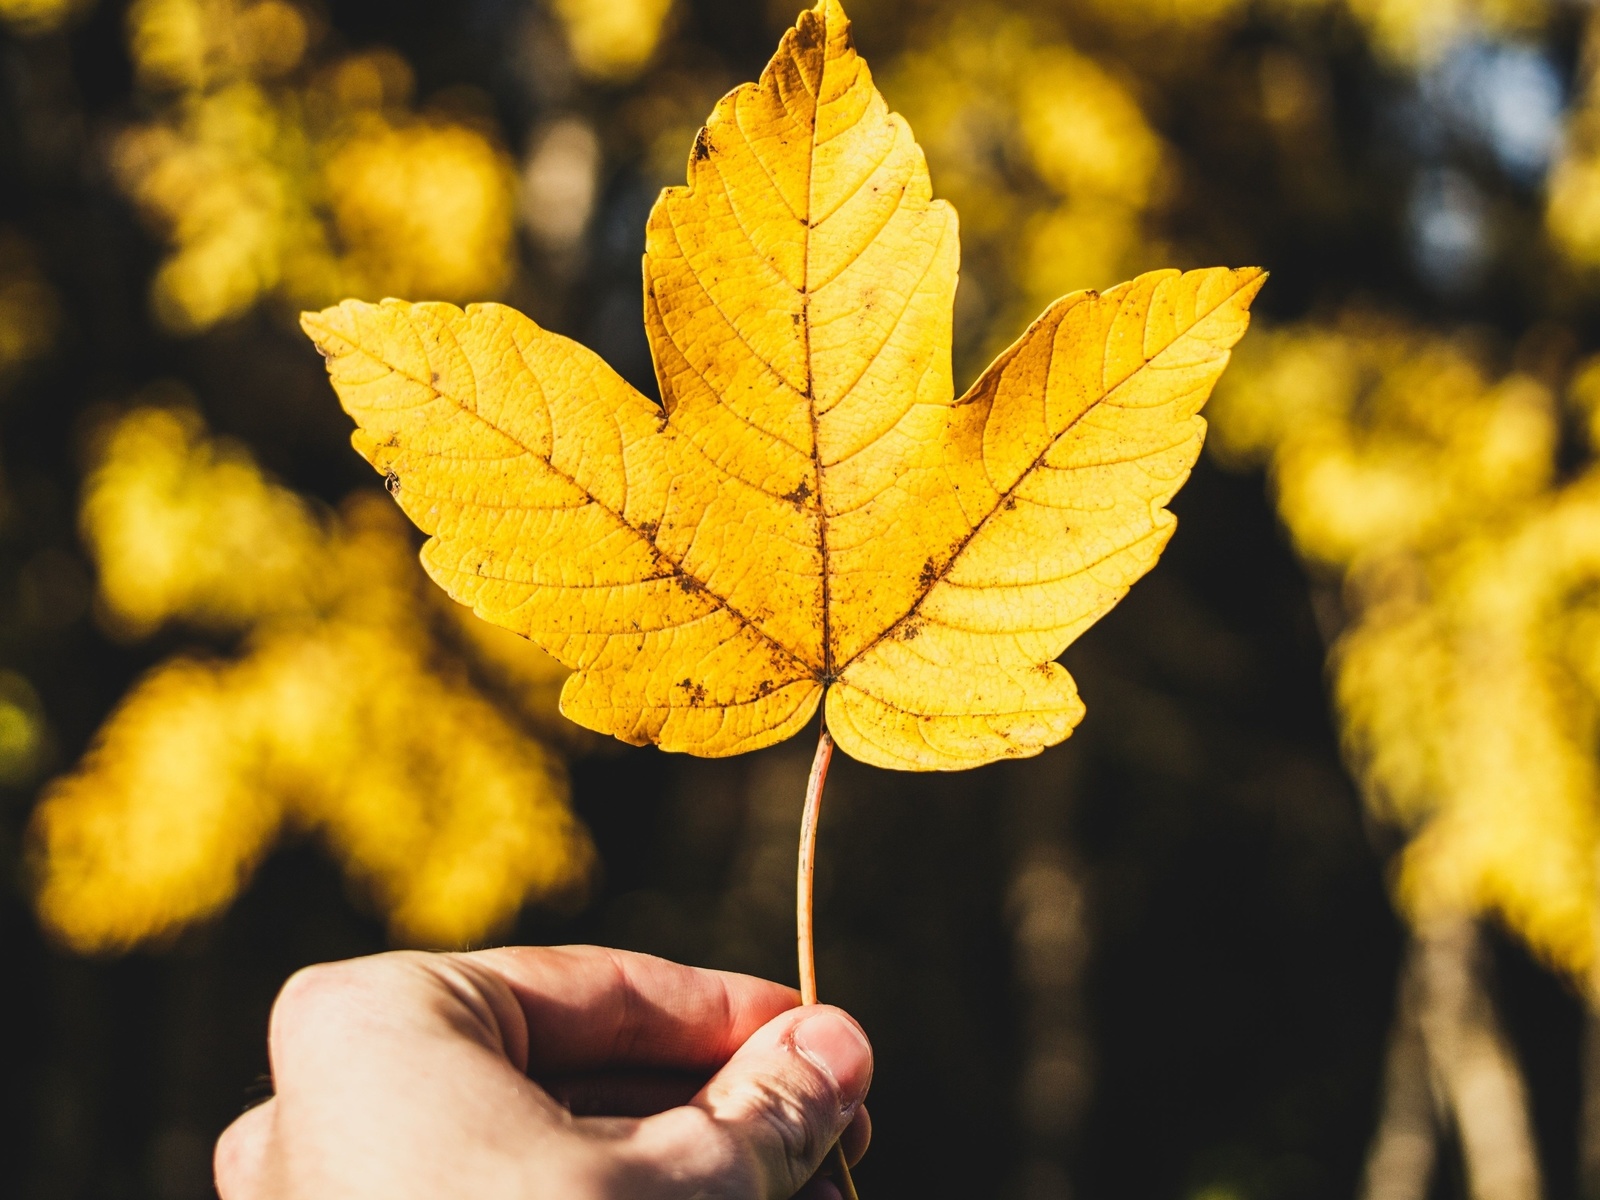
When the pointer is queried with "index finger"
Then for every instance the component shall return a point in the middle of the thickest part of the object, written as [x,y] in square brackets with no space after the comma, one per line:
[588,1007]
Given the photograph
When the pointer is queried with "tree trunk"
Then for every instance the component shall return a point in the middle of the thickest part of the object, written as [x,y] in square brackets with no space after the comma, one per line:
[1589,1119]
[1451,1065]
[1050,943]
[1405,1148]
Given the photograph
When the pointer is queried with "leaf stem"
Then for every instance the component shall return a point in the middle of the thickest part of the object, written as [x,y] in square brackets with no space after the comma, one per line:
[805,927]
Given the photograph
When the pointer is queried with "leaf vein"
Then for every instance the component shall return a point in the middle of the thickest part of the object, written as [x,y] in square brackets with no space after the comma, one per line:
[678,568]
[728,320]
[942,574]
[894,327]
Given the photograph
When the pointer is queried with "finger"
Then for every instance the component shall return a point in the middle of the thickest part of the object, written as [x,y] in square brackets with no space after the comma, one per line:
[764,1123]
[624,1093]
[412,1052]
[644,1094]
[240,1159]
[587,1007]
[404,998]
[857,1137]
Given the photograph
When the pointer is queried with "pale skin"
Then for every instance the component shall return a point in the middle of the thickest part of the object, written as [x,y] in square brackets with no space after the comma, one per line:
[572,1072]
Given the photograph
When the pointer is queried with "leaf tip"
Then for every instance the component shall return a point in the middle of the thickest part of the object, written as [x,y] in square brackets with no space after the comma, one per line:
[829,14]
[1252,278]
[316,326]
[320,326]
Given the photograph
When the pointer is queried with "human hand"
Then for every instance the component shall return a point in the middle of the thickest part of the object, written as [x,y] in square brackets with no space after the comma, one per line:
[573,1073]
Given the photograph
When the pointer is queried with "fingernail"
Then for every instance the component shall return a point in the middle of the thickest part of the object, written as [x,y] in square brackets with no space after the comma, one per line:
[836,1044]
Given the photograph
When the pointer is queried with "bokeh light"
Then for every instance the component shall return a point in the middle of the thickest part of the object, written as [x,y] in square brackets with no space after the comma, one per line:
[613,39]
[1046,155]
[1470,566]
[29,308]
[347,713]
[1315,883]
[274,173]
[34,17]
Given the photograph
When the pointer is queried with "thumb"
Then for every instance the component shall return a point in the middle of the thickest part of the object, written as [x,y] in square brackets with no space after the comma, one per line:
[775,1109]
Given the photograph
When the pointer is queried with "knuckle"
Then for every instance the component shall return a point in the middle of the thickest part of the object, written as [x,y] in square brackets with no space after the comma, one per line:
[309,994]
[327,997]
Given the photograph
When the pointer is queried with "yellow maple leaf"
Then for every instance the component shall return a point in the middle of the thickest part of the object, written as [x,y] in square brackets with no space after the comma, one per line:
[811,511]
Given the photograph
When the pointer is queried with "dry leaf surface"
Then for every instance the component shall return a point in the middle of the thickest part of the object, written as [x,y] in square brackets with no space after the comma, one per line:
[811,511]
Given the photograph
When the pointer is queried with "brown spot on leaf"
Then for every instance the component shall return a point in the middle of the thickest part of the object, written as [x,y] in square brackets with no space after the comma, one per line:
[1010,504]
[688,583]
[392,482]
[798,495]
[648,528]
[434,379]
[702,145]
[929,573]
[697,691]
[910,631]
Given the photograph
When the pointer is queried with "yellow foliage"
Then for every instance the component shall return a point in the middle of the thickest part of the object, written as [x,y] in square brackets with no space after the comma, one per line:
[185,527]
[22,729]
[1084,131]
[1383,440]
[266,187]
[1407,33]
[39,16]
[519,670]
[1467,681]
[421,208]
[1572,207]
[197,45]
[160,826]
[345,715]
[29,309]
[1142,15]
[1417,32]
[1584,395]
[990,91]
[613,39]
[813,512]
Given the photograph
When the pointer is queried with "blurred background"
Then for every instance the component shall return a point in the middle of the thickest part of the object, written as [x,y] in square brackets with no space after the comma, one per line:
[1308,907]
